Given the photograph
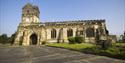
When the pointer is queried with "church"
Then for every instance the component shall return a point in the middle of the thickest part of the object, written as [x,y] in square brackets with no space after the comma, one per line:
[33,32]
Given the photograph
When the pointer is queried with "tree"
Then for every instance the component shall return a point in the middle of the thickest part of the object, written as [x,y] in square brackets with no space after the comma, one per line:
[123,38]
[124,33]
[12,38]
[3,39]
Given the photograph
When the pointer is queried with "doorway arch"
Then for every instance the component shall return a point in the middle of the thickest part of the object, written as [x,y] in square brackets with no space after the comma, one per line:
[33,39]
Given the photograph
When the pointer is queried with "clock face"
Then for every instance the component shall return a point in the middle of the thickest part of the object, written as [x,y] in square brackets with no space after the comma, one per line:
[27,19]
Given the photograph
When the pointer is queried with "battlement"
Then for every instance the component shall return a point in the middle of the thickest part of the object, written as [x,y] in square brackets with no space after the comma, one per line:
[75,22]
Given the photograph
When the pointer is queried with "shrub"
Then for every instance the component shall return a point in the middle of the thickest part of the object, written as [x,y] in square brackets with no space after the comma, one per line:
[122,54]
[104,44]
[79,39]
[71,40]
[113,51]
[4,39]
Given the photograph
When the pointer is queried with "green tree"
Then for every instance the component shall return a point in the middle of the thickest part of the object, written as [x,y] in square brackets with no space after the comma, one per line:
[3,39]
[123,38]
[11,39]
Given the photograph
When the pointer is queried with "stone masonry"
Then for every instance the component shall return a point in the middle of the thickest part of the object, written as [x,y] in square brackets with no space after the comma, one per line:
[33,32]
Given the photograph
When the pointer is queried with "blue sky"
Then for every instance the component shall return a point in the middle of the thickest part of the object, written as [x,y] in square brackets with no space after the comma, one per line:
[113,11]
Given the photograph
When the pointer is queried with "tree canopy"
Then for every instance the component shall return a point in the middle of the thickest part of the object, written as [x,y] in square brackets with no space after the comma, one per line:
[4,39]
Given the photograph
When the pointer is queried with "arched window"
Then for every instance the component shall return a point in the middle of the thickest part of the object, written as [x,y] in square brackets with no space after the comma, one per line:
[81,32]
[27,11]
[69,33]
[53,33]
[90,32]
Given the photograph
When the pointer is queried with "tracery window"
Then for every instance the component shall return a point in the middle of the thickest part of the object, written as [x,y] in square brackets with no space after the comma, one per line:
[69,33]
[90,32]
[81,32]
[101,31]
[53,33]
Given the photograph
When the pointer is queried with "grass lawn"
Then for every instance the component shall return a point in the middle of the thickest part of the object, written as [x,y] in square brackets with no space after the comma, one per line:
[115,51]
[72,46]
[119,44]
[8,46]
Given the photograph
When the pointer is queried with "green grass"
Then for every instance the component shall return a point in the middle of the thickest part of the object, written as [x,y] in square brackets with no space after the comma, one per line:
[72,46]
[119,44]
[8,46]
[116,51]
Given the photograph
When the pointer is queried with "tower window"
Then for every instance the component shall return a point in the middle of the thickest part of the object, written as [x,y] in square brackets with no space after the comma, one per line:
[27,11]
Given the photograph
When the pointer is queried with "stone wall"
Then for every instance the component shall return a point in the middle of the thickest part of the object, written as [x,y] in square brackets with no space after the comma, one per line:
[31,30]
[43,31]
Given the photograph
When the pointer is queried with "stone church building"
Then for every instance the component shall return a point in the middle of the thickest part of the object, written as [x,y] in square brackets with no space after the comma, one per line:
[33,32]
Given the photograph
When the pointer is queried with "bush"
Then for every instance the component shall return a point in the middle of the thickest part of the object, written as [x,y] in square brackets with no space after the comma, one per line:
[71,40]
[113,51]
[104,44]
[122,54]
[79,39]
[4,39]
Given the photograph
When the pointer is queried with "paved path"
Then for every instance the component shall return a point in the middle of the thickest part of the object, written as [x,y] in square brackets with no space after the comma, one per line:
[44,54]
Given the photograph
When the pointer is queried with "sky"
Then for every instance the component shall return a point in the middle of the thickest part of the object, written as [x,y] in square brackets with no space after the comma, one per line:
[113,11]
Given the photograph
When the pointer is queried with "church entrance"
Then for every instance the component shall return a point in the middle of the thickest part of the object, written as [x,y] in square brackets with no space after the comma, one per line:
[33,39]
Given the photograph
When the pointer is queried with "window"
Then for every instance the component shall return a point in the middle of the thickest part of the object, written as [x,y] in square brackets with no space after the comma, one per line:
[53,33]
[101,31]
[90,32]
[69,33]
[27,11]
[81,32]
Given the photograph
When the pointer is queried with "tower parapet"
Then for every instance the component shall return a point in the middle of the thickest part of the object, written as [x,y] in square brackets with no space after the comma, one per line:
[30,14]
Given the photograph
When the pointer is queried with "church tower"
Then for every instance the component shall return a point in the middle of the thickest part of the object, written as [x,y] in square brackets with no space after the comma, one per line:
[30,14]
